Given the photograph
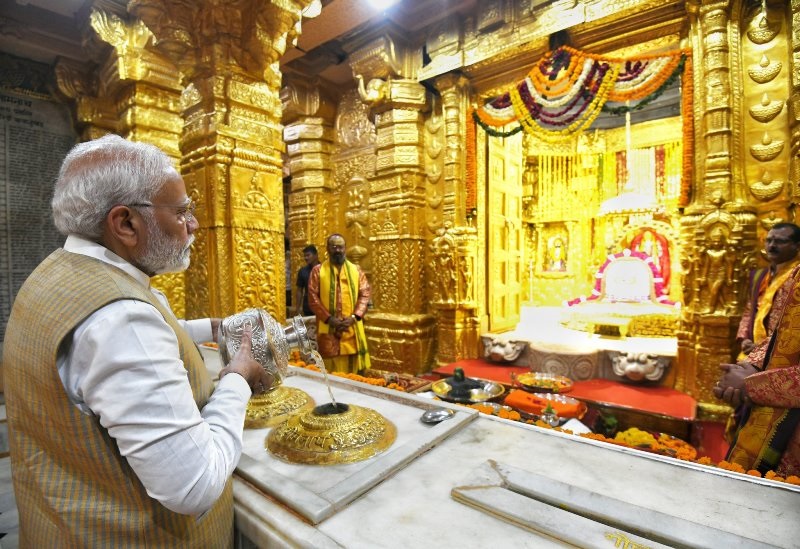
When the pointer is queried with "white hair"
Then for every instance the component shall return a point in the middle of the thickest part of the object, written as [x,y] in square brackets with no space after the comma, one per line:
[100,174]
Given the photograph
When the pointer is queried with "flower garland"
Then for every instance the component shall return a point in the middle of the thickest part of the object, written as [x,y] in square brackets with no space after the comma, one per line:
[662,296]
[470,168]
[568,89]
[687,109]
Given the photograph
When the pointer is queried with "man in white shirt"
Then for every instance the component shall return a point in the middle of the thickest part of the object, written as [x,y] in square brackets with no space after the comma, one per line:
[117,433]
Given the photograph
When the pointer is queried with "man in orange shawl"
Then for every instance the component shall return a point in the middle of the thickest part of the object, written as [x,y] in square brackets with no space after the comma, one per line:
[338,293]
[768,435]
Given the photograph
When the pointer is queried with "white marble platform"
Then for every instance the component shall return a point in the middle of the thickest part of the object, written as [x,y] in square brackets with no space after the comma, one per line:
[316,492]
[413,505]
[541,326]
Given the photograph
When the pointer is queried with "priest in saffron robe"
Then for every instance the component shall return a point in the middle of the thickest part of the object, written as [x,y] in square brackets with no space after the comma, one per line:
[338,293]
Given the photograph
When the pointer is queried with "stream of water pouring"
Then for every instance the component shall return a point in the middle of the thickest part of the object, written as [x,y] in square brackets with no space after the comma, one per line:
[317,359]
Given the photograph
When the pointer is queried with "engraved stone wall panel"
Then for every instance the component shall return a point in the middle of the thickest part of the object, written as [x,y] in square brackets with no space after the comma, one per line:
[35,135]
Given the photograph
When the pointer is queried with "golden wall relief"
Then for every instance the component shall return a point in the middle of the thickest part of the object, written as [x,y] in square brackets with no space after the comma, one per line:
[440,258]
[353,167]
[354,126]
[765,51]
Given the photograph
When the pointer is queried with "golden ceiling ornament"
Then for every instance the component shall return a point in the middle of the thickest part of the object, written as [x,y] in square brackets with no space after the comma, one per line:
[270,409]
[764,30]
[332,434]
[766,110]
[766,188]
[765,70]
[768,149]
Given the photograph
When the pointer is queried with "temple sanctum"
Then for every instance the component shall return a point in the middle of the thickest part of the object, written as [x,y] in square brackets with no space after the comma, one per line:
[536,190]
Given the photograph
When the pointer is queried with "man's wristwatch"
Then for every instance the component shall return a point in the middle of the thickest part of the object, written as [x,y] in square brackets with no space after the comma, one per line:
[356,317]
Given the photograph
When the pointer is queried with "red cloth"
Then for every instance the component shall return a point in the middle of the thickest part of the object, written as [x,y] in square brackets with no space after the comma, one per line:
[483,369]
[655,400]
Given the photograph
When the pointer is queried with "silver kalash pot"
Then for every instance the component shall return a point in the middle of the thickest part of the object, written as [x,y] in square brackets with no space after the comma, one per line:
[272,344]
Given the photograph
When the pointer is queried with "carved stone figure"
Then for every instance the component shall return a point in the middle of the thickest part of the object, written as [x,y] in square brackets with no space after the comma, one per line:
[375,92]
[501,349]
[443,248]
[716,270]
[639,366]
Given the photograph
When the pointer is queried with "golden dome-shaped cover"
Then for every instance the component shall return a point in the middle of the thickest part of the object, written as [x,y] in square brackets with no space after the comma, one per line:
[274,407]
[329,436]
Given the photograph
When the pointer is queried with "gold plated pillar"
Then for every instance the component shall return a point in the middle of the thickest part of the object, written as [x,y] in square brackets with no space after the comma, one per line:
[454,245]
[145,91]
[231,144]
[739,190]
[309,134]
[400,332]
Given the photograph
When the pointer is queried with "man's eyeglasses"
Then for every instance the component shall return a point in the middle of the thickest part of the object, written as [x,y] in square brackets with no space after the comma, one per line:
[184,213]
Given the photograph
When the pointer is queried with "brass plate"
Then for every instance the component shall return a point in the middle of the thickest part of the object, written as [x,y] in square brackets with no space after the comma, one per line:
[488,391]
[276,406]
[539,382]
[317,438]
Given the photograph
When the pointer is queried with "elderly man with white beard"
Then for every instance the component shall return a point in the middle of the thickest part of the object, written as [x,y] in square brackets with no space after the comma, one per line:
[118,436]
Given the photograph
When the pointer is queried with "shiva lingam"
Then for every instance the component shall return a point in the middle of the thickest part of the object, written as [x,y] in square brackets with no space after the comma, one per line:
[271,345]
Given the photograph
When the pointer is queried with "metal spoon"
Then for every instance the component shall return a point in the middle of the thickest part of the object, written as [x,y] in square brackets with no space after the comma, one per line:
[435,415]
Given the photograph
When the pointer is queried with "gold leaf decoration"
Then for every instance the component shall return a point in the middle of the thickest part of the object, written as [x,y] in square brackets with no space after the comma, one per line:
[766,188]
[434,173]
[766,110]
[765,70]
[768,149]
[764,30]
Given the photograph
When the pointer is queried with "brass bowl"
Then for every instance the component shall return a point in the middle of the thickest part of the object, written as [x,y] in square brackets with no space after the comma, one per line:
[540,382]
[330,436]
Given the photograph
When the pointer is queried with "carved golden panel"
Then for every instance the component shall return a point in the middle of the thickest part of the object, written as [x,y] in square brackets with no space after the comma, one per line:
[260,280]
[400,343]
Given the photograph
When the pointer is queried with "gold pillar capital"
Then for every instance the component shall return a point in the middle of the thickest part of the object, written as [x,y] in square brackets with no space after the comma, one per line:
[95,116]
[301,97]
[380,58]
[451,81]
[130,59]
[203,34]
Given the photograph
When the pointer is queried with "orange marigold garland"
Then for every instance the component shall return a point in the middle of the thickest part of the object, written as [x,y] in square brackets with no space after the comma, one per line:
[470,175]
[567,89]
[687,111]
